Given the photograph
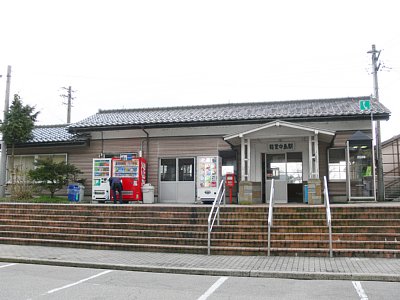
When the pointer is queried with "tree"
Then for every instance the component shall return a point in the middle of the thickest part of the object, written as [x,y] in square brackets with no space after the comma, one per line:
[53,176]
[17,127]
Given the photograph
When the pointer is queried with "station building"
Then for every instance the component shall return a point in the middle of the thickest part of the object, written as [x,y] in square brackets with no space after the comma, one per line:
[297,143]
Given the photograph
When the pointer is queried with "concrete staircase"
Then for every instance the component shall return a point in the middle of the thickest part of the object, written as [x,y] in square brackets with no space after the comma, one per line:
[298,230]
[369,230]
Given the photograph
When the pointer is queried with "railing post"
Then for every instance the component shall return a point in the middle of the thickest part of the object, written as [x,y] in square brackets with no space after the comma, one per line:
[270,215]
[328,215]
[212,216]
[208,238]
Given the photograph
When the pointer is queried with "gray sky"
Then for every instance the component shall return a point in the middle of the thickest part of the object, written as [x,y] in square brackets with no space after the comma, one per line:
[152,53]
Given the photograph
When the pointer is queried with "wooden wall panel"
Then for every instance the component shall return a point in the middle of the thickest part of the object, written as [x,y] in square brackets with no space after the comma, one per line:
[323,160]
[82,157]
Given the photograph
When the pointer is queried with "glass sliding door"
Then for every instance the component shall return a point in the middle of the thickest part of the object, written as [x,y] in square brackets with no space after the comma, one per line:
[287,171]
[276,169]
[294,169]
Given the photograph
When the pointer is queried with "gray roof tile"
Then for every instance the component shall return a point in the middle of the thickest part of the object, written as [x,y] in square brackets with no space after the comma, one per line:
[255,111]
[52,134]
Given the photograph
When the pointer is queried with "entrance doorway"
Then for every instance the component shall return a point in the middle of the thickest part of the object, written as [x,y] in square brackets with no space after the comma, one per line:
[177,182]
[287,171]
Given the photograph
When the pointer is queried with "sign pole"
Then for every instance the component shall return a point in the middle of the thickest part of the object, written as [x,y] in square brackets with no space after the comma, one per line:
[373,154]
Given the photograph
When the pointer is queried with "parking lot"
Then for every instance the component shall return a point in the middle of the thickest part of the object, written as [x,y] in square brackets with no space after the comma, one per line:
[25,281]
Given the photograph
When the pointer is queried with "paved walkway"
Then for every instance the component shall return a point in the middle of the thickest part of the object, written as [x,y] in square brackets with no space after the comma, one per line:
[359,269]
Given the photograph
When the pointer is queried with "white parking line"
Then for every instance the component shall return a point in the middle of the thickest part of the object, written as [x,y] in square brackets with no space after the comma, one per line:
[9,265]
[213,288]
[360,291]
[78,282]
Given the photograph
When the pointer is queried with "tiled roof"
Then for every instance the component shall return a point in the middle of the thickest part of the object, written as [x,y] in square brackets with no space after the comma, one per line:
[52,134]
[392,139]
[226,113]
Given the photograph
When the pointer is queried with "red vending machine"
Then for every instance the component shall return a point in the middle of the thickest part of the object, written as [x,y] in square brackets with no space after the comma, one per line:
[132,171]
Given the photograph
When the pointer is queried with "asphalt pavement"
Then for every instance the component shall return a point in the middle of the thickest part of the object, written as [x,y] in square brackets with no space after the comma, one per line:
[318,268]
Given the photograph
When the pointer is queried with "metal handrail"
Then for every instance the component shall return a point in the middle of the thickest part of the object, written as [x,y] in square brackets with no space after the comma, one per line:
[328,215]
[216,206]
[270,215]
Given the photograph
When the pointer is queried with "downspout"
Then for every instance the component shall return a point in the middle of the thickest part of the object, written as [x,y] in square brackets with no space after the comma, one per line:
[147,150]
[102,145]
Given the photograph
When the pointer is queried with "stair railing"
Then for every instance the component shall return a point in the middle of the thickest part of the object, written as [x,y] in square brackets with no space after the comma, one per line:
[270,214]
[392,186]
[215,215]
[328,215]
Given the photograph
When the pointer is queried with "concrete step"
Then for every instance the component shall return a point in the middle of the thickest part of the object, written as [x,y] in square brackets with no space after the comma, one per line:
[106,238]
[105,246]
[297,230]
[121,226]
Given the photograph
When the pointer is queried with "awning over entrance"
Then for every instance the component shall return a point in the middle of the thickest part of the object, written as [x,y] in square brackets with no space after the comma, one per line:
[360,139]
[280,130]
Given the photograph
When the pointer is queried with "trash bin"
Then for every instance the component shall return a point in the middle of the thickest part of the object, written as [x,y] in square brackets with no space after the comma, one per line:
[305,194]
[81,192]
[148,193]
[73,192]
[76,192]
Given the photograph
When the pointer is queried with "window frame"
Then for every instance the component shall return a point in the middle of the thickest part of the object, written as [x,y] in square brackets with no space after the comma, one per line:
[35,158]
[342,168]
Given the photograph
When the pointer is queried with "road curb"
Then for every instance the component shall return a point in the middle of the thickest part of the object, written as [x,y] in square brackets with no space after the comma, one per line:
[210,271]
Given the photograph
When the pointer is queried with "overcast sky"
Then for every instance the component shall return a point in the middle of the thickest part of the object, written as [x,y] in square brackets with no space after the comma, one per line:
[151,53]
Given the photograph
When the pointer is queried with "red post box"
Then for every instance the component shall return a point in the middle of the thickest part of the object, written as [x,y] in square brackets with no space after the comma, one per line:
[230,183]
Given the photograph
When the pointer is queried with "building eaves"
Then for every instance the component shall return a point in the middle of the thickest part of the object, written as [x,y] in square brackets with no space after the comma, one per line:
[391,140]
[231,113]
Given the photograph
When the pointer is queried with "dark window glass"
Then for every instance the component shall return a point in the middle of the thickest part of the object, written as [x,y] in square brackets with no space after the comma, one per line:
[186,169]
[168,169]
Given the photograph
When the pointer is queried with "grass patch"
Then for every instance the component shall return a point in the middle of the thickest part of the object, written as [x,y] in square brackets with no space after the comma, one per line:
[245,203]
[39,199]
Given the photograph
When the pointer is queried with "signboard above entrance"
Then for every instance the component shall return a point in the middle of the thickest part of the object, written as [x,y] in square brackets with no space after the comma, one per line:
[281,146]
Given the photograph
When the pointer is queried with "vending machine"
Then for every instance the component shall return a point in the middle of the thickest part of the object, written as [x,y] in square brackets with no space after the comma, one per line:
[100,184]
[132,171]
[208,177]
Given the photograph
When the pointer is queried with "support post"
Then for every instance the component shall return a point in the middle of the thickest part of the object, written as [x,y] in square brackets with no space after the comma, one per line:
[3,161]
[375,68]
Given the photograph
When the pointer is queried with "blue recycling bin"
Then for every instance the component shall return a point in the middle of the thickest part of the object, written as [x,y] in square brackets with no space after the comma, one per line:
[74,192]
[305,194]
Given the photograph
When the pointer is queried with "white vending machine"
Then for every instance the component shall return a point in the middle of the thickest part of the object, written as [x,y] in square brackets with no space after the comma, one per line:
[208,177]
[100,184]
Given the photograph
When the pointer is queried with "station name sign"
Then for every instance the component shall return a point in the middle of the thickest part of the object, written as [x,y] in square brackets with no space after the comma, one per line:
[281,146]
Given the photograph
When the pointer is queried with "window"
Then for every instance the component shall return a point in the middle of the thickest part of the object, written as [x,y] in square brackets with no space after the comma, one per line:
[294,167]
[186,169]
[24,163]
[168,169]
[276,166]
[337,164]
[287,167]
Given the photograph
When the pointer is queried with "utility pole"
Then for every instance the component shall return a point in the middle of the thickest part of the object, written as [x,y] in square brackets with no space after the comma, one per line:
[3,161]
[375,68]
[69,102]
